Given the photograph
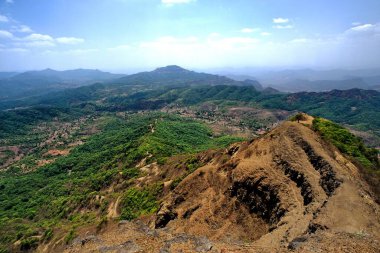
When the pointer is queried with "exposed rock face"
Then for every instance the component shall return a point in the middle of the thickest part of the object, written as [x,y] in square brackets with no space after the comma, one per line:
[286,191]
[298,178]
[163,217]
[261,199]
[328,179]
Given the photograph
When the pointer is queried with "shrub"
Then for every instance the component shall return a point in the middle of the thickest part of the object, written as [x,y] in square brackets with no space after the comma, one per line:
[48,234]
[70,236]
[298,117]
[137,202]
[347,143]
[176,182]
[29,243]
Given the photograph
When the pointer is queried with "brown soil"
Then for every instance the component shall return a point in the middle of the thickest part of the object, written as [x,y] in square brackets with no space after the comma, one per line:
[307,120]
[43,162]
[57,152]
[17,155]
[287,191]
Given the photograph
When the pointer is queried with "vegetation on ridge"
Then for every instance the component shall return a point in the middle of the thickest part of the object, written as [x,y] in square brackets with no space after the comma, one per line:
[347,143]
[52,195]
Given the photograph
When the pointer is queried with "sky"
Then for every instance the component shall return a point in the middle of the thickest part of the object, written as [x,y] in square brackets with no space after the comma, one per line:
[128,35]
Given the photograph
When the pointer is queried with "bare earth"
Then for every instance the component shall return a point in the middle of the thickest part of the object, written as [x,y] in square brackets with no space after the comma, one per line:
[288,191]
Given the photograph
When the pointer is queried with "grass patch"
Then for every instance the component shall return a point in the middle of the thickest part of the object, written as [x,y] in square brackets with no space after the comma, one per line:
[137,202]
[347,143]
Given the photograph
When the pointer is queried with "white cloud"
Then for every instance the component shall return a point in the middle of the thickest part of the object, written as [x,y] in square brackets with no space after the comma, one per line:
[173,2]
[283,26]
[3,18]
[6,34]
[38,37]
[365,31]
[166,50]
[24,29]
[249,30]
[35,40]
[69,40]
[354,48]
[364,27]
[9,1]
[217,50]
[280,20]
[39,40]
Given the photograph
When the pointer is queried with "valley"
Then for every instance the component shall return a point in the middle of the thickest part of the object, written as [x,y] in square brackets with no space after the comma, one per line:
[175,160]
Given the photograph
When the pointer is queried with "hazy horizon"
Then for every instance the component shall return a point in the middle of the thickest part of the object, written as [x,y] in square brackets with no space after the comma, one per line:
[228,70]
[128,36]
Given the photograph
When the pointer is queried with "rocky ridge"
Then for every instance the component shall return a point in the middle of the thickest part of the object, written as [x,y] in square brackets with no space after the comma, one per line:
[286,191]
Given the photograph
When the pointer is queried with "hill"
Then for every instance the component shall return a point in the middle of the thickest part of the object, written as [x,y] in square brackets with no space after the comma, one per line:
[95,154]
[175,76]
[34,83]
[289,190]
[177,87]
[4,75]
[356,107]
[53,190]
[79,76]
[298,80]
[300,85]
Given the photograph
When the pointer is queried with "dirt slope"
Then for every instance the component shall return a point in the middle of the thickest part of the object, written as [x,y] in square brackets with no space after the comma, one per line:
[287,191]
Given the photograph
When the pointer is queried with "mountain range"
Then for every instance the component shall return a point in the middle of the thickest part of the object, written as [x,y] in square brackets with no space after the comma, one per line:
[309,80]
[31,83]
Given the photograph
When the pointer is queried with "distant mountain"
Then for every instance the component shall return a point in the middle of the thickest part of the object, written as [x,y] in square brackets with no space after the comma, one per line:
[254,83]
[270,90]
[296,80]
[375,87]
[33,83]
[372,80]
[282,76]
[155,90]
[322,85]
[176,76]
[173,85]
[76,76]
[359,95]
[171,69]
[4,75]
[240,77]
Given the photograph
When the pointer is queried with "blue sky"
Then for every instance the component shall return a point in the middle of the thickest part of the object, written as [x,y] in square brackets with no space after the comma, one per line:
[128,35]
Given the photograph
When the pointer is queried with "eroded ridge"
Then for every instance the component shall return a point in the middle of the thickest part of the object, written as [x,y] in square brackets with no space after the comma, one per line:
[328,180]
[298,178]
[261,198]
